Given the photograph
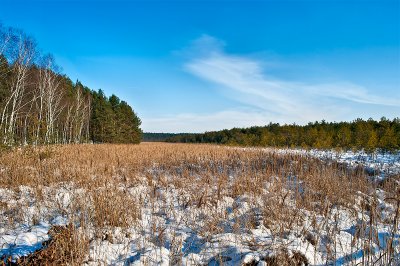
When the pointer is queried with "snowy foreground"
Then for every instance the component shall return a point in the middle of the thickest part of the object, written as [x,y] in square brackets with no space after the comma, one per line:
[230,232]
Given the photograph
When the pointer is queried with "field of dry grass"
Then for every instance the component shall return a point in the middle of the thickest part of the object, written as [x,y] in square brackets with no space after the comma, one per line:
[183,204]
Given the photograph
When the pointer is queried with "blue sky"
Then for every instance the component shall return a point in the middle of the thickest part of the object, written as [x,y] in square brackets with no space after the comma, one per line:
[194,66]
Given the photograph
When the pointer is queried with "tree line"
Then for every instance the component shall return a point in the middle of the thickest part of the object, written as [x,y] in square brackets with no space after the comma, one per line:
[358,134]
[39,105]
[159,137]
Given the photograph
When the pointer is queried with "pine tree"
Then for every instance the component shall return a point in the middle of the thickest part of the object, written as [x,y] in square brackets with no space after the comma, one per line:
[389,142]
[372,142]
[344,137]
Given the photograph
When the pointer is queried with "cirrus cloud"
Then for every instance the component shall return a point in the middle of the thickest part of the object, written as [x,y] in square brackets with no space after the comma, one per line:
[280,100]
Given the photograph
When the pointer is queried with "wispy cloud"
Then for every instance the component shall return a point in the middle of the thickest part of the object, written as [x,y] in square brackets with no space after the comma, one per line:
[280,100]
[261,97]
[350,92]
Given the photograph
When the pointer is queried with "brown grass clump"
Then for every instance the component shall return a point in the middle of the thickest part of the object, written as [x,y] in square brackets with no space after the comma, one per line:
[113,208]
[282,258]
[65,247]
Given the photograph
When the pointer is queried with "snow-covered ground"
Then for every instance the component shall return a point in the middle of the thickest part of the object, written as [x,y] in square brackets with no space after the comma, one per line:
[379,163]
[230,231]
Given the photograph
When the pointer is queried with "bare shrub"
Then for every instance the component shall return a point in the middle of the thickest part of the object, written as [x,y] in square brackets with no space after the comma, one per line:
[112,207]
[67,246]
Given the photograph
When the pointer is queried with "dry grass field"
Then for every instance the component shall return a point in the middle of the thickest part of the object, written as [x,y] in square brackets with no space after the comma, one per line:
[178,204]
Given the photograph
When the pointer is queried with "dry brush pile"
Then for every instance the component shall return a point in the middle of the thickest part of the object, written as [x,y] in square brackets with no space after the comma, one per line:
[194,204]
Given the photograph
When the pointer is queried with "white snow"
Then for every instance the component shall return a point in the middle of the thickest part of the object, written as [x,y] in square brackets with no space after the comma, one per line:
[380,162]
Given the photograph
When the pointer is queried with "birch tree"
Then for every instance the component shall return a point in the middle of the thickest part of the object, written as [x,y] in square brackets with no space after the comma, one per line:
[81,115]
[7,39]
[22,56]
[52,98]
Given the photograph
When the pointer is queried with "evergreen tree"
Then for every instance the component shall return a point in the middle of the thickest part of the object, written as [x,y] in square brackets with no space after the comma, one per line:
[344,137]
[113,120]
[388,141]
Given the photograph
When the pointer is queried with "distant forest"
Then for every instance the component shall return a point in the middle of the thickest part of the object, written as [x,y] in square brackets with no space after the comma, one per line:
[160,137]
[358,134]
[39,105]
